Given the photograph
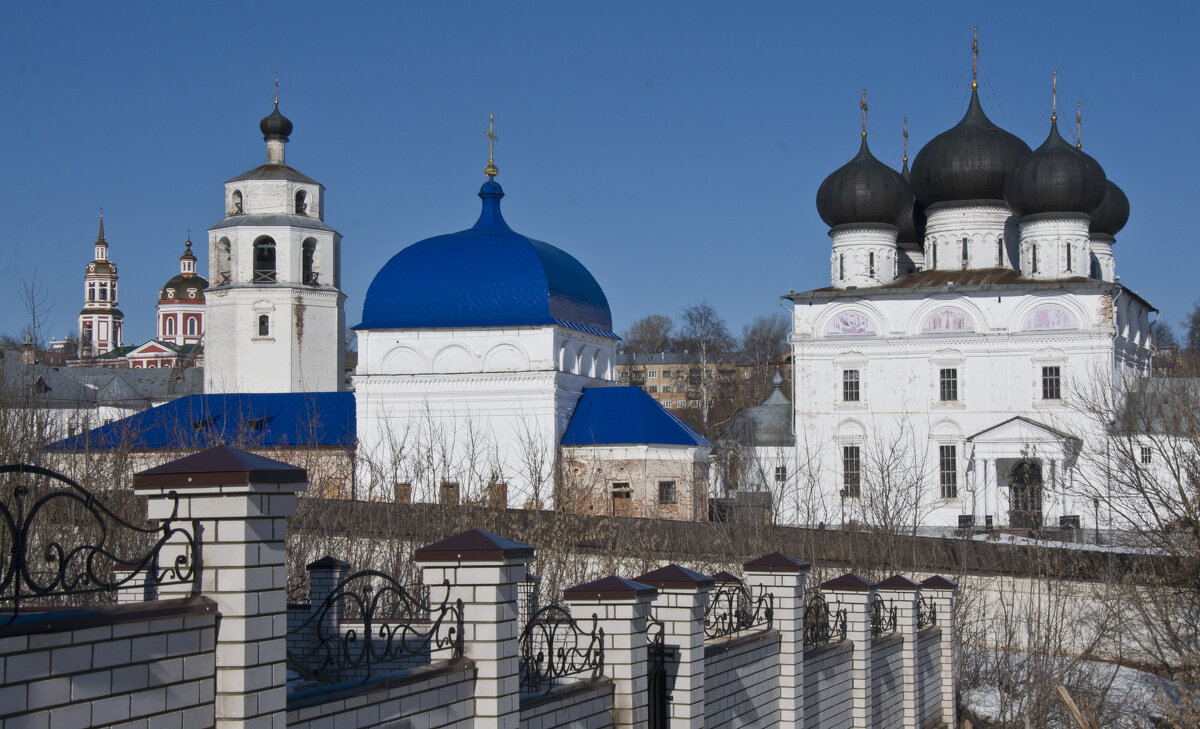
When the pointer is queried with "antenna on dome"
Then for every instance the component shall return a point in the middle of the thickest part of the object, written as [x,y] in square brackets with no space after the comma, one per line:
[491,170]
[1054,104]
[276,89]
[863,105]
[905,140]
[975,59]
[1078,126]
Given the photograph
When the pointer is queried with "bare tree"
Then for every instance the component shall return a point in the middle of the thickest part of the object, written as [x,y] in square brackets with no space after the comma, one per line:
[764,342]
[649,335]
[706,338]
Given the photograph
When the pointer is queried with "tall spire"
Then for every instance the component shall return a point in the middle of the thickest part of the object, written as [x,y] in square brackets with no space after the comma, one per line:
[101,238]
[1078,126]
[975,59]
[863,106]
[491,170]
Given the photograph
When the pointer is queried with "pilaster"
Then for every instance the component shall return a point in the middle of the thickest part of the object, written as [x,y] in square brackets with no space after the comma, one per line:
[483,570]
[241,502]
[855,594]
[679,606]
[784,578]
[622,608]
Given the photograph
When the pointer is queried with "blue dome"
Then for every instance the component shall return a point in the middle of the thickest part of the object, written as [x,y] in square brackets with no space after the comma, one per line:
[487,276]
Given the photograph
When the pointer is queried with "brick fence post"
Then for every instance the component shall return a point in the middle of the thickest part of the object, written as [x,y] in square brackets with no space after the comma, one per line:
[242,502]
[483,570]
[942,592]
[855,595]
[784,577]
[679,606]
[623,607]
[905,595]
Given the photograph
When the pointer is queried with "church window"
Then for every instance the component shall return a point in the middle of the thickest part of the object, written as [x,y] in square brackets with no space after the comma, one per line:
[236,203]
[1147,455]
[666,492]
[948,384]
[449,492]
[965,257]
[1068,258]
[224,261]
[851,390]
[264,325]
[841,266]
[1034,256]
[871,264]
[948,471]
[91,292]
[191,325]
[1052,383]
[1000,251]
[1095,268]
[308,253]
[103,291]
[264,260]
[301,202]
[851,471]
[933,249]
[169,326]
[86,336]
[780,474]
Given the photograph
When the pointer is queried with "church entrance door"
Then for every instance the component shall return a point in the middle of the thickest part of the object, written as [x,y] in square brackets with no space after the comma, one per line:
[1025,494]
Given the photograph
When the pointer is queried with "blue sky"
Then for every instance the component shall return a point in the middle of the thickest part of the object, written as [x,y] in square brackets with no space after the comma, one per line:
[675,149]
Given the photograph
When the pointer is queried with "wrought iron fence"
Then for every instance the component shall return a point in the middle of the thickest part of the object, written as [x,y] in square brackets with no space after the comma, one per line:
[370,623]
[883,617]
[926,613]
[732,609]
[553,646]
[60,545]
[821,625]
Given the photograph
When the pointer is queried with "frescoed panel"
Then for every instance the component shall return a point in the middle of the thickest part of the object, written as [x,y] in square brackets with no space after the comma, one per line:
[947,319]
[850,323]
[1050,316]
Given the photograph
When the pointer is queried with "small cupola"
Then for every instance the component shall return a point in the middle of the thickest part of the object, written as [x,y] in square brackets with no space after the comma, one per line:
[276,129]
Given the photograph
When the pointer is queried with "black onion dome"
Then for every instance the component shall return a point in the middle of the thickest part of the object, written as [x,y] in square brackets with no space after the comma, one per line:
[969,161]
[275,126]
[1113,212]
[1056,178]
[864,190]
[912,219]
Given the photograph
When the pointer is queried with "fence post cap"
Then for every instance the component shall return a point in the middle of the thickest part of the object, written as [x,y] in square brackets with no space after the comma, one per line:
[898,582]
[475,545]
[220,466]
[937,582]
[776,562]
[848,582]
[328,562]
[675,577]
[610,588]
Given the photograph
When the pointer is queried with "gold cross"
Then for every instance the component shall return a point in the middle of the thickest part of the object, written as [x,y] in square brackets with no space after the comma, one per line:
[1054,104]
[491,170]
[863,105]
[975,58]
[905,139]
[276,88]
[1078,126]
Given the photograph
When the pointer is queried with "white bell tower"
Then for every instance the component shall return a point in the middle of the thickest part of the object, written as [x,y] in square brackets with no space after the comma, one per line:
[274,316]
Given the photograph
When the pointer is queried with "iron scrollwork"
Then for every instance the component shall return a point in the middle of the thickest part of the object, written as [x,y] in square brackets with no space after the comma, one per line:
[821,625]
[926,613]
[732,609]
[60,541]
[553,646]
[883,617]
[370,623]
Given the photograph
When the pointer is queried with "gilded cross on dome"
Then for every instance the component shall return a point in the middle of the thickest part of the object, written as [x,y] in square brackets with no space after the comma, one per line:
[975,59]
[863,105]
[491,170]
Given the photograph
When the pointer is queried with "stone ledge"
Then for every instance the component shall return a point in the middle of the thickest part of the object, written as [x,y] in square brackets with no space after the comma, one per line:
[77,618]
[530,703]
[329,693]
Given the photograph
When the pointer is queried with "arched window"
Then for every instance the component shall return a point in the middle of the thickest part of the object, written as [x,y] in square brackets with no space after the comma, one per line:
[871,264]
[264,325]
[301,202]
[191,325]
[308,254]
[1068,258]
[224,261]
[103,291]
[264,260]
[169,326]
[235,200]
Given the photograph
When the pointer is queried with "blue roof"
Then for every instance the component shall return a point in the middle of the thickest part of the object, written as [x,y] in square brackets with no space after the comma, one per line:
[244,419]
[487,276]
[626,415]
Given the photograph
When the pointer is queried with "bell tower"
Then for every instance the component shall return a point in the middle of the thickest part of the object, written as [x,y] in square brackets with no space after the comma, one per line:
[274,315]
[100,320]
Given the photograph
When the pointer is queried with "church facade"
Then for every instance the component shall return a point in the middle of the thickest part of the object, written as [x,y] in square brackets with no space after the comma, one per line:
[973,309]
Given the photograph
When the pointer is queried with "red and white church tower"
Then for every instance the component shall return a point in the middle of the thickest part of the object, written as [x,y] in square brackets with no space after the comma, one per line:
[100,320]
[181,303]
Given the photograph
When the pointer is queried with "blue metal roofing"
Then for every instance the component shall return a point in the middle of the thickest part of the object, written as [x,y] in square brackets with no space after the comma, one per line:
[249,420]
[626,415]
[487,276]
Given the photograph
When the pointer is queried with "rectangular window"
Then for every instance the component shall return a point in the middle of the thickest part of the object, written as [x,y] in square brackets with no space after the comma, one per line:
[679,404]
[666,492]
[746,375]
[654,388]
[449,493]
[667,389]
[652,374]
[1147,455]
[1052,383]
[850,386]
[667,374]
[851,471]
[948,471]
[622,499]
[667,404]
[780,474]
[693,403]
[948,384]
